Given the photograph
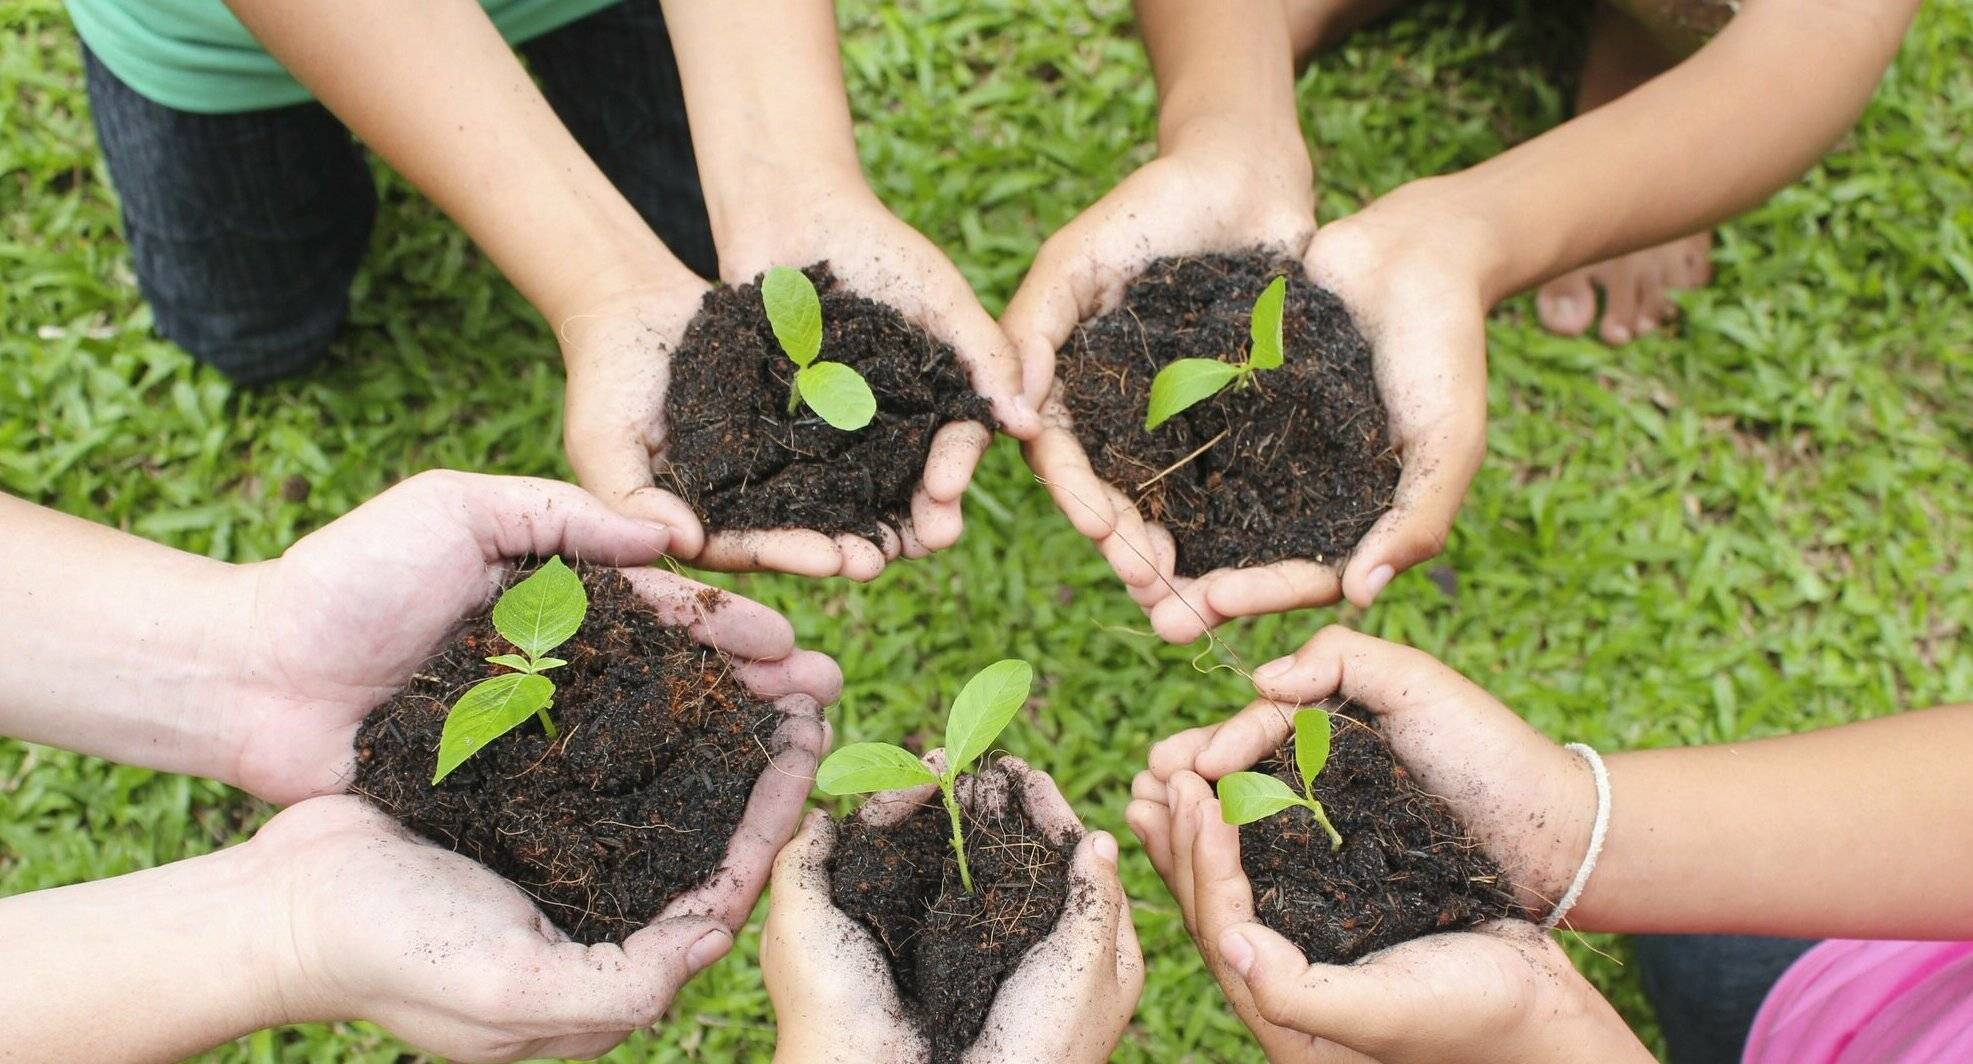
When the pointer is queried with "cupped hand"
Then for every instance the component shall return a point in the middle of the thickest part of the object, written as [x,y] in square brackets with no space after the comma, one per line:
[340,622]
[1529,802]
[383,926]
[837,219]
[1502,992]
[1068,1001]
[1218,192]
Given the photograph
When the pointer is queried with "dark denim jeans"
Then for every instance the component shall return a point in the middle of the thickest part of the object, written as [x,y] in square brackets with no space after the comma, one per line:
[246,229]
[1707,989]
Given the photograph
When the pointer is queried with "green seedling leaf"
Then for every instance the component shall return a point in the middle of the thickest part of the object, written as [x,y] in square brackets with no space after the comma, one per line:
[491,709]
[1312,728]
[1184,383]
[838,393]
[542,612]
[984,707]
[795,313]
[860,768]
[1245,797]
[1266,325]
[513,661]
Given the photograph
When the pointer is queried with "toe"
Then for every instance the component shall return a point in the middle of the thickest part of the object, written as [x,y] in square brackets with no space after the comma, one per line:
[1567,304]
[1619,304]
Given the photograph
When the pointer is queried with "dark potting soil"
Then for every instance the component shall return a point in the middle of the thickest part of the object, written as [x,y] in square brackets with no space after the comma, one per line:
[741,461]
[950,950]
[1296,464]
[1406,868]
[635,803]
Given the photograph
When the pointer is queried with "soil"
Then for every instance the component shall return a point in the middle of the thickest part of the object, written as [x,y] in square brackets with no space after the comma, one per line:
[635,803]
[1406,868]
[741,461]
[950,950]
[1296,464]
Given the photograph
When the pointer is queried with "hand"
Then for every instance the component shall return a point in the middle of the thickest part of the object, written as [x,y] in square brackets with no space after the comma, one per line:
[1218,190]
[1503,992]
[339,623]
[835,217]
[1068,1001]
[376,924]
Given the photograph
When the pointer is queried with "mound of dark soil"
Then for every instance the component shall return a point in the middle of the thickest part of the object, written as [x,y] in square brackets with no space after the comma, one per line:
[950,950]
[635,803]
[1406,867]
[741,461]
[1297,464]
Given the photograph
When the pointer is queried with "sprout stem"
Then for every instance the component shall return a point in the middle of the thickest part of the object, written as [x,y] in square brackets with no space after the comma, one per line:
[1335,838]
[958,838]
[794,397]
[548,725]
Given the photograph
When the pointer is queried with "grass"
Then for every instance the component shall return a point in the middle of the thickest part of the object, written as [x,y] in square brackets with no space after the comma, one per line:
[1743,528]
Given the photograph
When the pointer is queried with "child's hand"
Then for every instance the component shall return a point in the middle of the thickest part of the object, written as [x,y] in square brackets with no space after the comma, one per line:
[379,925]
[1531,803]
[1503,992]
[1068,1001]
[835,218]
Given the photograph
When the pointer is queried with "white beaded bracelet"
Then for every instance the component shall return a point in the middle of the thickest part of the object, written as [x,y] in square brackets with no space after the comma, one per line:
[1596,834]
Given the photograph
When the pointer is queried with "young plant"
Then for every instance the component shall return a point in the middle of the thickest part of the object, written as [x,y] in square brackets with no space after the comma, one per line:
[831,389]
[1190,381]
[1245,797]
[984,706]
[536,615]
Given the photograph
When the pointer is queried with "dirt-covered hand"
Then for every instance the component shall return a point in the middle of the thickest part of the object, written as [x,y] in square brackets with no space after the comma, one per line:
[1216,193]
[1529,802]
[1076,989]
[339,623]
[618,354]
[877,256]
[383,926]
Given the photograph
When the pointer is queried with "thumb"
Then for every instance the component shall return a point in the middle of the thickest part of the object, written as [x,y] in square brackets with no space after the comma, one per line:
[511,517]
[675,949]
[1346,1004]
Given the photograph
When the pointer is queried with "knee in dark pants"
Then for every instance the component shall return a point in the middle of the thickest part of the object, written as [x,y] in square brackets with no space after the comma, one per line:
[1706,989]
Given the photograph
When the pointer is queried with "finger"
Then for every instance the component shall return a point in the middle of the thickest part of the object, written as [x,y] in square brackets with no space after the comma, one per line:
[908,543]
[787,550]
[1357,1005]
[804,672]
[1151,823]
[1058,461]
[576,1047]
[1043,802]
[720,619]
[773,812]
[935,525]
[1185,614]
[1275,588]
[889,543]
[984,792]
[1188,791]
[1076,275]
[1128,546]
[607,988]
[862,560]
[1164,557]
[956,450]
[1245,738]
[1221,894]
[1171,756]
[1087,932]
[990,359]
[801,873]
[512,517]
[1385,677]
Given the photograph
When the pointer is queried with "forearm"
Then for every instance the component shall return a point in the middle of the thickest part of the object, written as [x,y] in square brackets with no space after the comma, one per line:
[1222,67]
[1711,137]
[116,646]
[770,117]
[434,90]
[152,966]
[1861,831]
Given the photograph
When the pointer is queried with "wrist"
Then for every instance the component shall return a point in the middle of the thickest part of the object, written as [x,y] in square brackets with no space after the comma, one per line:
[758,207]
[1458,219]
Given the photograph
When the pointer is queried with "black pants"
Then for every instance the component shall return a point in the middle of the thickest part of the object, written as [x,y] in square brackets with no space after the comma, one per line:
[246,229]
[1706,989]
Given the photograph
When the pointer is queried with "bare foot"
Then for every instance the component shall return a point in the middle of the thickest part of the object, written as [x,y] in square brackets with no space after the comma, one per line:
[1623,54]
[1636,289]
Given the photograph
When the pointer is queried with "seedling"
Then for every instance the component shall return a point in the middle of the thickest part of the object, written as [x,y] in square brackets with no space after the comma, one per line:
[1190,381]
[831,389]
[984,706]
[536,615]
[1245,797]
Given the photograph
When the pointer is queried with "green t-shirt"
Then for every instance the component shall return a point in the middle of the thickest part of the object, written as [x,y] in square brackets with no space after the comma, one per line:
[193,55]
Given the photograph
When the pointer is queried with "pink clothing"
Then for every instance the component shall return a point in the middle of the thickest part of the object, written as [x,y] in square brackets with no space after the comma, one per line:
[1849,1002]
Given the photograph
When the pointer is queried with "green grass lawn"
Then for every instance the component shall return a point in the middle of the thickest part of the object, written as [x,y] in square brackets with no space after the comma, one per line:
[1748,526]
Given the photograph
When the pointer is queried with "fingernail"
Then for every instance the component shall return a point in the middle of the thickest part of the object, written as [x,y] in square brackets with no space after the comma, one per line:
[1106,848]
[710,947]
[1276,668]
[1238,952]
[1378,578]
[658,527]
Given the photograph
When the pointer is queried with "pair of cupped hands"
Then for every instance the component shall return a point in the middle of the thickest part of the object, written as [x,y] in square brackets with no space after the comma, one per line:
[366,921]
[1418,302]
